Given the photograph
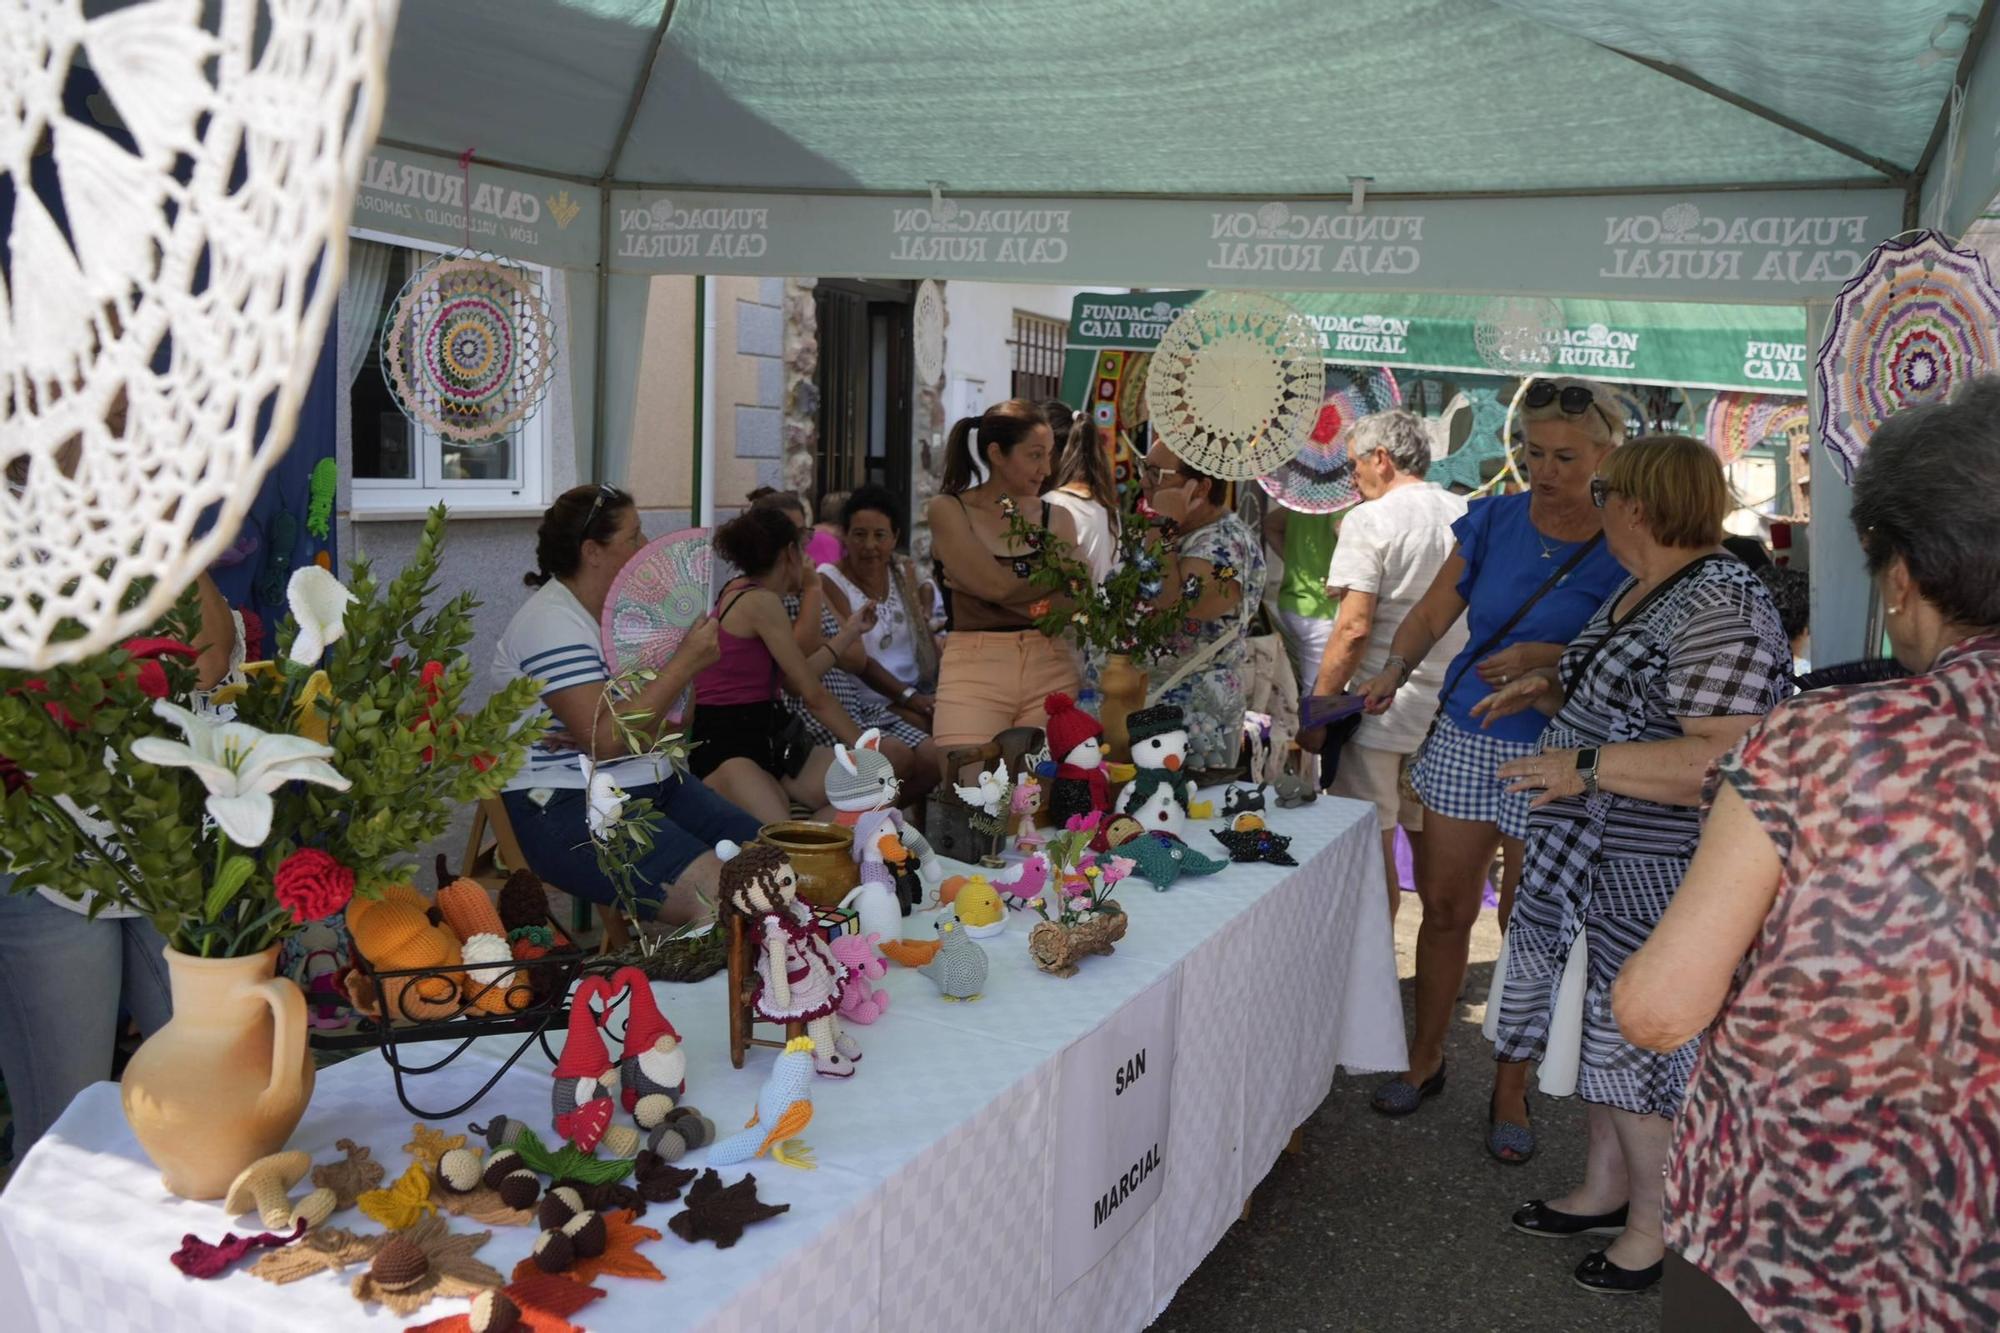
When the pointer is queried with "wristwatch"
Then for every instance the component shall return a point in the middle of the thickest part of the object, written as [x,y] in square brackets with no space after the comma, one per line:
[909,693]
[1586,768]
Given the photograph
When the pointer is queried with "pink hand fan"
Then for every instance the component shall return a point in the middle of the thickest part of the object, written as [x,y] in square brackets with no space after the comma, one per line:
[654,600]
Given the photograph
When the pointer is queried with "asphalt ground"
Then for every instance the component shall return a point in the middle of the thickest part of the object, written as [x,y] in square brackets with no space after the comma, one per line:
[1383,1224]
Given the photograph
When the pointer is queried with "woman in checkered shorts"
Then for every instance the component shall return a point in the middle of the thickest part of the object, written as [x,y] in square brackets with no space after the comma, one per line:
[1663,680]
[1529,570]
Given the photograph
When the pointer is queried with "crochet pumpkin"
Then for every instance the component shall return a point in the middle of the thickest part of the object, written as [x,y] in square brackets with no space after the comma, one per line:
[394,932]
[483,939]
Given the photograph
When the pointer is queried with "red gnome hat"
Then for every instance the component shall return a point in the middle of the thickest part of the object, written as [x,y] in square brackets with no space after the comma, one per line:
[645,1025]
[1068,726]
[584,1054]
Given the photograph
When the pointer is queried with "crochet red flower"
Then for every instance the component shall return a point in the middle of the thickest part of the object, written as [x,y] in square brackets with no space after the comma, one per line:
[12,779]
[313,885]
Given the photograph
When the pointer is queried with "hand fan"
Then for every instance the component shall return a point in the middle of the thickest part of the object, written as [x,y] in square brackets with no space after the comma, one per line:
[660,593]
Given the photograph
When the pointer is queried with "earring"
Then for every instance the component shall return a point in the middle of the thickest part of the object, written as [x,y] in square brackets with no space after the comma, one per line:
[1895,610]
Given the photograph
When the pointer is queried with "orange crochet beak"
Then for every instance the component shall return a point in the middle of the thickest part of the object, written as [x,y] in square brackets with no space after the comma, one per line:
[892,849]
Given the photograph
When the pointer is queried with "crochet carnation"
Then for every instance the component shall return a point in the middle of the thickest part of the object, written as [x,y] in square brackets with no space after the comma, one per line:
[312,885]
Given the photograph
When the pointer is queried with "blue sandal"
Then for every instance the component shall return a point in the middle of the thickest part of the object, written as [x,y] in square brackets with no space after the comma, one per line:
[1399,1096]
[1513,1145]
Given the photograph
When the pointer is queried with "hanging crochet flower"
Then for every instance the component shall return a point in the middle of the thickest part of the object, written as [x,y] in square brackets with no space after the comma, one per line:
[319,605]
[240,765]
[312,885]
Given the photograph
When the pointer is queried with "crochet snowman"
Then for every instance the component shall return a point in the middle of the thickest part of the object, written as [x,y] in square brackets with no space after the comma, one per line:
[1075,743]
[1158,796]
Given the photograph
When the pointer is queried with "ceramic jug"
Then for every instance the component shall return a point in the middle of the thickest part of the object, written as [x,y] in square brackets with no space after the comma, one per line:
[227,1079]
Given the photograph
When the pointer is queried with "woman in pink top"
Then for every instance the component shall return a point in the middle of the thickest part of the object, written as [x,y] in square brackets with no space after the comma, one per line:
[748,748]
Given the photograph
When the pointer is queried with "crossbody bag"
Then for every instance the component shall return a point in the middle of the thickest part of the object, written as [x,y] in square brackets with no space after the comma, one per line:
[1493,640]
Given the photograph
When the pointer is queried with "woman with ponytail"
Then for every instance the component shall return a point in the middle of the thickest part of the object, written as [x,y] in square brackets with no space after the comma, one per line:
[1084,486]
[997,667]
[586,537]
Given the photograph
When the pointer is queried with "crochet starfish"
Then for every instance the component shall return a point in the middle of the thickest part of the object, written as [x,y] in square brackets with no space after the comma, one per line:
[718,1213]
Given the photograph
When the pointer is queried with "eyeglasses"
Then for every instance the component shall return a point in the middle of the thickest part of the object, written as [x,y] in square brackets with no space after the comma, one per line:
[1600,491]
[1573,399]
[1153,474]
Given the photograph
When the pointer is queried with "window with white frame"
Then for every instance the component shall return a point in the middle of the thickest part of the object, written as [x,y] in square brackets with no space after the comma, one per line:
[399,467]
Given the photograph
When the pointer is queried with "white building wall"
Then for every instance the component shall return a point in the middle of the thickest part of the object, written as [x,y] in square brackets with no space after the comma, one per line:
[979,362]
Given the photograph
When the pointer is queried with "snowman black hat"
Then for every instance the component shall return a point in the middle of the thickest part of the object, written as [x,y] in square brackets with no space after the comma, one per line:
[1155,721]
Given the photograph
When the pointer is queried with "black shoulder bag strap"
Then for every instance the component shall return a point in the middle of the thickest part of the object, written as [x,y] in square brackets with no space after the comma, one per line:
[1499,636]
[1571,679]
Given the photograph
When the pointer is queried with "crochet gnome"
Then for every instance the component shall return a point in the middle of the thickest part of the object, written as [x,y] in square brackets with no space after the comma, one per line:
[654,1067]
[586,1090]
[1081,784]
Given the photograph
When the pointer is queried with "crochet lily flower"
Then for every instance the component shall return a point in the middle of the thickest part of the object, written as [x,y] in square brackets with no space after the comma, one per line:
[240,765]
[319,604]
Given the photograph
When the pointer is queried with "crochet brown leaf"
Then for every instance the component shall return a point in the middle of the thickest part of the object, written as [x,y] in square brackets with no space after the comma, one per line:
[350,1179]
[719,1213]
[452,1272]
[327,1250]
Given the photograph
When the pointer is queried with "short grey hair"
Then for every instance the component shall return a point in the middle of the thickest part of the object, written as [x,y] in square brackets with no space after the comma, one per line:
[1925,491]
[1398,433]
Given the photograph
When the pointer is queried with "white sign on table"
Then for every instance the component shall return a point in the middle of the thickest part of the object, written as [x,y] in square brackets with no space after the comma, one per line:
[1113,1106]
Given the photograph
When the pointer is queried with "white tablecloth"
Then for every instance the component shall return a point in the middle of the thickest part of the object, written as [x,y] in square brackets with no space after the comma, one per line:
[930,1208]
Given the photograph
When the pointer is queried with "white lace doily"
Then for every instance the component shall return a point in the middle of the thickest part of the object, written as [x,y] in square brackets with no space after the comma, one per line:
[1235,384]
[1518,335]
[928,334]
[145,354]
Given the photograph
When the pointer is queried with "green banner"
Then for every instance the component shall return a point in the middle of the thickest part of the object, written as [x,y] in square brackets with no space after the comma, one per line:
[1758,348]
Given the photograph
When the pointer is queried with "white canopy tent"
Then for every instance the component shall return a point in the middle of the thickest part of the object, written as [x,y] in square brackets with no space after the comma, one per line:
[1586,148]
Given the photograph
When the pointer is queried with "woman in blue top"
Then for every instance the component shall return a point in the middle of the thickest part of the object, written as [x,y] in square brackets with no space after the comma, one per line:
[1530,569]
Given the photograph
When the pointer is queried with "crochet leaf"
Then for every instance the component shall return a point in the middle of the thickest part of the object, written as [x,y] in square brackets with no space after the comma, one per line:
[483,1205]
[350,1179]
[403,1203]
[327,1250]
[544,1300]
[198,1258]
[427,1145]
[719,1213]
[621,1257]
[569,1161]
[453,1270]
[319,508]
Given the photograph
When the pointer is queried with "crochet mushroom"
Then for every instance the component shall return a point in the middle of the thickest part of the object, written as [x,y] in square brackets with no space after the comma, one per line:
[265,1186]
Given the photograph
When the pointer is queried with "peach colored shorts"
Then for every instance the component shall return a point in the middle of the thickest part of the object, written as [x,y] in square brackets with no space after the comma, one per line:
[989,681]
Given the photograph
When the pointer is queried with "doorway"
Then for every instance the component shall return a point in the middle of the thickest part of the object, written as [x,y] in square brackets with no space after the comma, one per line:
[865,387]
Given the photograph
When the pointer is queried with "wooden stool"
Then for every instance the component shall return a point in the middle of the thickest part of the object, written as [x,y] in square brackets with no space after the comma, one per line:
[490,815]
[742,988]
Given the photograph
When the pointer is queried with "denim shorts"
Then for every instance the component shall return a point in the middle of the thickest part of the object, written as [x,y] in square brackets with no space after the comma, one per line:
[555,837]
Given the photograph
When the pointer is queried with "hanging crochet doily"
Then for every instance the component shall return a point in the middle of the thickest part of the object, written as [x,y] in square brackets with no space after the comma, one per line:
[1236,384]
[468,347]
[1738,421]
[1320,477]
[654,599]
[180,200]
[927,332]
[1917,321]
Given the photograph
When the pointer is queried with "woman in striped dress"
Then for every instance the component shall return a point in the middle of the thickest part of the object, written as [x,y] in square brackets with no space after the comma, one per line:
[1669,674]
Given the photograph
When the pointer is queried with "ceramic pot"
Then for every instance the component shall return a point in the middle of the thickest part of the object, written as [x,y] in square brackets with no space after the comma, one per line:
[1057,948]
[823,856]
[226,1080]
[1124,689]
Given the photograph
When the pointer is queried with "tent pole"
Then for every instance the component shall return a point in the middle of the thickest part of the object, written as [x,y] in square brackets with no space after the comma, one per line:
[600,444]
[704,403]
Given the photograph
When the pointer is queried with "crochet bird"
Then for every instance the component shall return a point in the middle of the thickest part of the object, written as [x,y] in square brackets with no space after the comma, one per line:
[989,793]
[654,1068]
[784,1107]
[586,1088]
[959,970]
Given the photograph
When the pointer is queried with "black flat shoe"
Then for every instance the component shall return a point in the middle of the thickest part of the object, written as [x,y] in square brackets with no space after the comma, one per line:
[1399,1097]
[1597,1273]
[1535,1218]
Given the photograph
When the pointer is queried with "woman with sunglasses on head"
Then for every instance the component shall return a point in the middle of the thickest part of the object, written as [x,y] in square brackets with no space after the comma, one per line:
[1528,572]
[997,668]
[1665,678]
[586,537]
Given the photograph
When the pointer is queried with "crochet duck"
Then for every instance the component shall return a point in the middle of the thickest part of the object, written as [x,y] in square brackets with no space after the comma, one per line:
[784,1107]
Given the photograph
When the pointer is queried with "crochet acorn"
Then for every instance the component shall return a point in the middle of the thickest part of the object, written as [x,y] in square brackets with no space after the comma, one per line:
[396,931]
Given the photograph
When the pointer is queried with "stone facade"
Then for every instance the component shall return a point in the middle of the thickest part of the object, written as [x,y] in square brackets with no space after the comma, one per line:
[801,386]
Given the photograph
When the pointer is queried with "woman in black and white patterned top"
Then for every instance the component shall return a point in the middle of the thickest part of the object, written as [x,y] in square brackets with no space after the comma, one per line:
[1661,682]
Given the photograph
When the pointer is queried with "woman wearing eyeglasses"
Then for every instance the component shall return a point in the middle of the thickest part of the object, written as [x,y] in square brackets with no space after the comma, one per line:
[1528,572]
[1665,678]
[586,537]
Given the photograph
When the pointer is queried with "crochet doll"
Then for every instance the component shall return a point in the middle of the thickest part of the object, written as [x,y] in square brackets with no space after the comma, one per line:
[1159,796]
[798,978]
[1081,784]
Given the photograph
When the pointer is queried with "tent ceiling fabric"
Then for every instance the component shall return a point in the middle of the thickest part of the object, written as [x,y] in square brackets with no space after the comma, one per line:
[1194,97]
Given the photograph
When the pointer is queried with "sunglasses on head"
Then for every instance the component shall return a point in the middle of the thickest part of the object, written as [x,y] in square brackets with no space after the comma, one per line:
[604,492]
[1574,399]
